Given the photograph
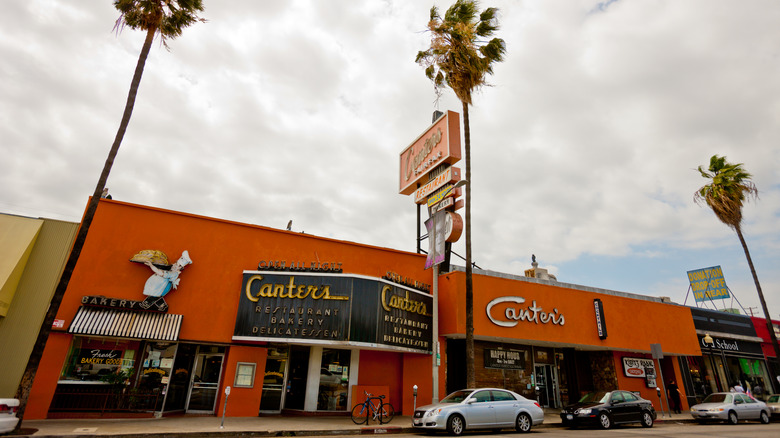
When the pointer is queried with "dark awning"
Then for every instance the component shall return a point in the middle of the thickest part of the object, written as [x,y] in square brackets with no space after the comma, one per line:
[96,321]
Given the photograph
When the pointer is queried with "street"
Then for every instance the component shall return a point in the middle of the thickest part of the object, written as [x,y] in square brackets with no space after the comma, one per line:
[752,430]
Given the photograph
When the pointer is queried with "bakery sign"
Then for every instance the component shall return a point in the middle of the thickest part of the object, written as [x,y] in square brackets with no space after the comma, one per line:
[636,366]
[347,309]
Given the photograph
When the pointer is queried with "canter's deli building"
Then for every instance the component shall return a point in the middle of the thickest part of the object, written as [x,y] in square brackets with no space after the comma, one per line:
[165,310]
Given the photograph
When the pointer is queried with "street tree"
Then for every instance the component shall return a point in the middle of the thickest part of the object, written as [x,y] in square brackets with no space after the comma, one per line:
[460,57]
[728,188]
[165,19]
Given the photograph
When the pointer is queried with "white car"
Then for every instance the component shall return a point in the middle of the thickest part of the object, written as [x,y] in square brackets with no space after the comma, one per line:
[483,408]
[730,407]
[8,408]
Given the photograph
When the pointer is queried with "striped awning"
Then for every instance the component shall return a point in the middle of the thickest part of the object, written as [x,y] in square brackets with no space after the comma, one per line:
[96,321]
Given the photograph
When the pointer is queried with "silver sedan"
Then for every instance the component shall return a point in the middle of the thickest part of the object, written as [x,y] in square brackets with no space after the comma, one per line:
[483,408]
[730,407]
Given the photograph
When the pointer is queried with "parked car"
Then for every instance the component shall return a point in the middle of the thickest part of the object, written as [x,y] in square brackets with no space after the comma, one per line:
[474,409]
[605,409]
[8,419]
[730,407]
[773,403]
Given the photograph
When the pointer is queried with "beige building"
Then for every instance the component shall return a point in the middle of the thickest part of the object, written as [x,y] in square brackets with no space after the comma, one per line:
[32,255]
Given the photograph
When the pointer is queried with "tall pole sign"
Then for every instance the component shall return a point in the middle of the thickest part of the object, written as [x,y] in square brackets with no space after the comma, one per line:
[426,171]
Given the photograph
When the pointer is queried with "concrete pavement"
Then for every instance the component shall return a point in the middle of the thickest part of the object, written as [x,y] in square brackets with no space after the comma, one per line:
[209,426]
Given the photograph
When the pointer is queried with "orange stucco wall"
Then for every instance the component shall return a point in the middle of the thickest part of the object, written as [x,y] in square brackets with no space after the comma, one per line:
[42,391]
[242,402]
[418,370]
[210,287]
[632,324]
[221,250]
[381,368]
[638,384]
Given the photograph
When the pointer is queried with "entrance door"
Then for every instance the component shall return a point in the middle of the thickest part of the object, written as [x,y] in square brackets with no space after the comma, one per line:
[273,380]
[295,396]
[204,383]
[545,382]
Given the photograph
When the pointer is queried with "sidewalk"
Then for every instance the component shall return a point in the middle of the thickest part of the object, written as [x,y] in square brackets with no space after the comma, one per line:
[203,427]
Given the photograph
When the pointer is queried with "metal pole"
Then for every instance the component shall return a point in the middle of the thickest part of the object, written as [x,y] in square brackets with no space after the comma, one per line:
[224,407]
[435,328]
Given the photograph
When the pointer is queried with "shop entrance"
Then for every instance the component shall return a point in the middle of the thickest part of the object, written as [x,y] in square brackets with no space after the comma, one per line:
[205,382]
[295,392]
[273,380]
[546,384]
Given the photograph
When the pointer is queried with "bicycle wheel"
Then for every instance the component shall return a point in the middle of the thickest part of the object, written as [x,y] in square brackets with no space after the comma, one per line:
[360,414]
[386,413]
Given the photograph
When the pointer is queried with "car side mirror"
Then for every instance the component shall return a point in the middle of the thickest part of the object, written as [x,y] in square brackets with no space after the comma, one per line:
[471,400]
[736,402]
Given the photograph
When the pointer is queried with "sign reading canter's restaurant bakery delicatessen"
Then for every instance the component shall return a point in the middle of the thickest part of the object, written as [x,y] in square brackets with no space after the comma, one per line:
[303,307]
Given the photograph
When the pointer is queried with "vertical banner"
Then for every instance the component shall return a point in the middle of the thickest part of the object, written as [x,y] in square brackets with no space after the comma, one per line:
[436,251]
[601,324]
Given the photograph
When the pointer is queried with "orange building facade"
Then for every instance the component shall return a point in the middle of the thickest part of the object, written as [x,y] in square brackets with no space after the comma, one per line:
[554,341]
[289,321]
[295,323]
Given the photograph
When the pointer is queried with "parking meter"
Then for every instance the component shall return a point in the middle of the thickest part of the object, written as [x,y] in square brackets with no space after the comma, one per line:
[415,398]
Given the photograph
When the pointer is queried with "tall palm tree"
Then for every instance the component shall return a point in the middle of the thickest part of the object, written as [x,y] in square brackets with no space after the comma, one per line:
[166,19]
[729,187]
[460,57]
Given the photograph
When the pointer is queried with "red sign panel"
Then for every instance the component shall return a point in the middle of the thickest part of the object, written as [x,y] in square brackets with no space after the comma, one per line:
[440,143]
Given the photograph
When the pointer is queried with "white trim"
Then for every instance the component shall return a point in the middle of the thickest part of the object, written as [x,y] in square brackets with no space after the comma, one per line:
[343,344]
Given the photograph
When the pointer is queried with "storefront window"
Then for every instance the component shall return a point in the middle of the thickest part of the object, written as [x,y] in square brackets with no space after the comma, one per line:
[334,378]
[700,377]
[716,377]
[97,360]
[157,364]
[748,372]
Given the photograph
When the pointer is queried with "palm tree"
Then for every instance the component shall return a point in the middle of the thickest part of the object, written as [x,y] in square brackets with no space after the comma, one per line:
[166,18]
[728,188]
[461,58]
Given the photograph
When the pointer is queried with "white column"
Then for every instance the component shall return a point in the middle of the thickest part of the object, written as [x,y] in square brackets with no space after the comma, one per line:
[313,378]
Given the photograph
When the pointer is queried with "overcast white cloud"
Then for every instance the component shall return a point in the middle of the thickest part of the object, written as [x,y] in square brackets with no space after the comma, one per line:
[584,147]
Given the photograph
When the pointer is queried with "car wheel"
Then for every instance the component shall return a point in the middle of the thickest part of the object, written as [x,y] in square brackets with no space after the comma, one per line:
[733,417]
[764,417]
[523,423]
[604,421]
[455,425]
[647,419]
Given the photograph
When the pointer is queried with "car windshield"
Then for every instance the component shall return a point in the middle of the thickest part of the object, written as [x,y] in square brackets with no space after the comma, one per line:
[773,399]
[595,397]
[718,398]
[456,397]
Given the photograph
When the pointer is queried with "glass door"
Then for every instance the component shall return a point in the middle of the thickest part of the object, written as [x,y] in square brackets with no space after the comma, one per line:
[273,380]
[204,384]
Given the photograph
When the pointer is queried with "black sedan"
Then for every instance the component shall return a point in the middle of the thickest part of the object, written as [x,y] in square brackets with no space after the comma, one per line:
[605,409]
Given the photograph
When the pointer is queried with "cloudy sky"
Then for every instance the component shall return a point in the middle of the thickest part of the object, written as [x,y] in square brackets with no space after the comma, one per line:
[584,148]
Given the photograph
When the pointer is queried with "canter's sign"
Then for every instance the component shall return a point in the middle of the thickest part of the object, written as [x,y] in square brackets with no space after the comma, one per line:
[439,144]
[708,284]
[450,175]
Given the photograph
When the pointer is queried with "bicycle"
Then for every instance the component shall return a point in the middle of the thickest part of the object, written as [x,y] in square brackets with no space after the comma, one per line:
[382,412]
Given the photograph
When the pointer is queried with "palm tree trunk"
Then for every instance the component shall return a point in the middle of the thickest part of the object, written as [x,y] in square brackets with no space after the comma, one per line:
[470,371]
[25,384]
[769,326]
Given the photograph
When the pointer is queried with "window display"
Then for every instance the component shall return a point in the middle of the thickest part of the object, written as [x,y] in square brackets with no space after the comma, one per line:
[334,379]
[95,361]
